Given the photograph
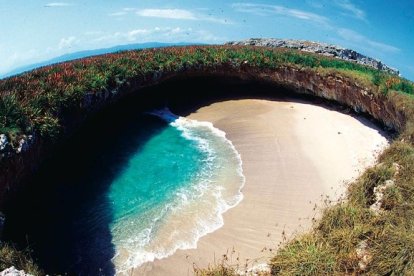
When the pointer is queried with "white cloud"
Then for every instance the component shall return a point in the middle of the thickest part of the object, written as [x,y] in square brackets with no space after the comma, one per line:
[363,41]
[167,13]
[67,42]
[57,4]
[266,10]
[176,14]
[129,36]
[135,34]
[315,4]
[168,34]
[348,6]
[92,33]
[11,60]
[121,13]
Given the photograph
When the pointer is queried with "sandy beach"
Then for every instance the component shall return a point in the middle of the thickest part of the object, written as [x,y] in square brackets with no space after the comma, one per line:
[294,156]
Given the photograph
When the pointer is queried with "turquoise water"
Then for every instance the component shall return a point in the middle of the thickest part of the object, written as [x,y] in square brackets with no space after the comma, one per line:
[126,190]
[153,176]
[172,191]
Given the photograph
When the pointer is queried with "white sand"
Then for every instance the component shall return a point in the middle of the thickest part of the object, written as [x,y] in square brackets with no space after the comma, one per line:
[294,154]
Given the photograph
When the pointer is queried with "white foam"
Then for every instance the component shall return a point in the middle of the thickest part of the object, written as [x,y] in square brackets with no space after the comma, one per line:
[187,126]
[203,134]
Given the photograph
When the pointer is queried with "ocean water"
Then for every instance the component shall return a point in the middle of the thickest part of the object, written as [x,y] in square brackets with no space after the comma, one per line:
[126,190]
[172,191]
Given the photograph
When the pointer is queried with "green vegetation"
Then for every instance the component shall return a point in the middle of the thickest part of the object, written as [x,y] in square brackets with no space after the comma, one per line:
[388,235]
[39,101]
[12,118]
[21,260]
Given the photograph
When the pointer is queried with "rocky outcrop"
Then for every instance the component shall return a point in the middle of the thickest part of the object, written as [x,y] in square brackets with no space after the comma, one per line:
[3,142]
[341,90]
[318,48]
[12,271]
[6,148]
[30,152]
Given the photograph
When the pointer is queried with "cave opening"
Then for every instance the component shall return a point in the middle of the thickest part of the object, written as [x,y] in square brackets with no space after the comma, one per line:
[47,214]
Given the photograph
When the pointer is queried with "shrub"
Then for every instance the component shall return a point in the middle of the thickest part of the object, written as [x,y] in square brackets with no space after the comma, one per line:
[12,117]
[10,256]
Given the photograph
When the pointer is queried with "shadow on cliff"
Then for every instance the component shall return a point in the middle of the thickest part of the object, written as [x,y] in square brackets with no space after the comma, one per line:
[57,214]
[64,214]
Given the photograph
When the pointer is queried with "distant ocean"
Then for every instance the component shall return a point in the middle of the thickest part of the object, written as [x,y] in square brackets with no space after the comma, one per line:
[172,191]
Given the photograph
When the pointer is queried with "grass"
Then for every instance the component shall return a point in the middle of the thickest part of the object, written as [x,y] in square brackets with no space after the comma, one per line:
[216,270]
[307,253]
[20,259]
[39,102]
[389,234]
[230,264]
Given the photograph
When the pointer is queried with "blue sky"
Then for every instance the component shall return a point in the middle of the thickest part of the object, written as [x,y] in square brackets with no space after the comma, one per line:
[33,30]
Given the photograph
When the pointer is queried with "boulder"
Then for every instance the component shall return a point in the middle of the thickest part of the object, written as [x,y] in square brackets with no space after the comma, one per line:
[12,271]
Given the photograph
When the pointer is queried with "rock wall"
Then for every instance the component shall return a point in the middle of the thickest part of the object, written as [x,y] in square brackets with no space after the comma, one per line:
[12,271]
[17,166]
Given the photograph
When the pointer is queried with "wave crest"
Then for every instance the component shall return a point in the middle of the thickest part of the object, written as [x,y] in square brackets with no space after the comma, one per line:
[196,209]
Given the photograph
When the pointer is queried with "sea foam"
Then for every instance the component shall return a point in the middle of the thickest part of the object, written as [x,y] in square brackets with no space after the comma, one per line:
[195,209]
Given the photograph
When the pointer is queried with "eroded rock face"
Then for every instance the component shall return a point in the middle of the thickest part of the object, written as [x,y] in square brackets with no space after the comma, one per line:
[22,163]
[318,48]
[342,90]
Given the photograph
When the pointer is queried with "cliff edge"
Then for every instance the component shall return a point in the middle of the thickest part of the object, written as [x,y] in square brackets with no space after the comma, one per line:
[318,48]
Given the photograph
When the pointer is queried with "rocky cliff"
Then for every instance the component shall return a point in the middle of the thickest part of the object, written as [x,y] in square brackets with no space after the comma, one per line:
[318,48]
[20,161]
[12,271]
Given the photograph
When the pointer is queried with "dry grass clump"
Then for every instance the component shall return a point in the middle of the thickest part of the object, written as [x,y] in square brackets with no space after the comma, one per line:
[230,264]
[215,270]
[351,238]
[310,256]
[357,238]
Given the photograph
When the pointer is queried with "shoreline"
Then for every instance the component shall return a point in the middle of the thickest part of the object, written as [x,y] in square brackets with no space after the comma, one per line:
[289,167]
[216,190]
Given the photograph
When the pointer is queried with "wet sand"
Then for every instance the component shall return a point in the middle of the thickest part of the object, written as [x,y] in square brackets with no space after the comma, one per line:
[294,156]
